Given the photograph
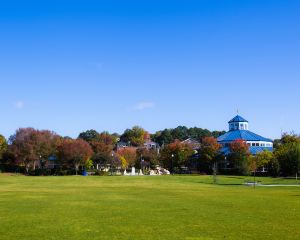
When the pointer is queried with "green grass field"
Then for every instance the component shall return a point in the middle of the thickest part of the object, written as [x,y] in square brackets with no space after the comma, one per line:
[167,207]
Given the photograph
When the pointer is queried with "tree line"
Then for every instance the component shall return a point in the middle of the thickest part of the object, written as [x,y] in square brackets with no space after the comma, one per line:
[41,152]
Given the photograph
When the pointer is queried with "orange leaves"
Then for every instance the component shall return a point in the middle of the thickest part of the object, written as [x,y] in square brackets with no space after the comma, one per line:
[129,154]
[239,146]
[210,143]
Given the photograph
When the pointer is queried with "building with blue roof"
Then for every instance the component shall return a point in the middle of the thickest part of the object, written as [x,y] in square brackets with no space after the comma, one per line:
[239,130]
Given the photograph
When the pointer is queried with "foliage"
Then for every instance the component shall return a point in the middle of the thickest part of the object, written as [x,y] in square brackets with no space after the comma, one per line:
[274,167]
[208,153]
[102,145]
[181,133]
[288,155]
[74,153]
[3,146]
[175,155]
[260,160]
[89,164]
[124,163]
[129,154]
[209,149]
[150,157]
[238,157]
[135,136]
[32,147]
[101,158]
[89,135]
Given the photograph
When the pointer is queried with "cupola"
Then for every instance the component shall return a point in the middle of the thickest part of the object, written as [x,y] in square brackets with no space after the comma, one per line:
[238,123]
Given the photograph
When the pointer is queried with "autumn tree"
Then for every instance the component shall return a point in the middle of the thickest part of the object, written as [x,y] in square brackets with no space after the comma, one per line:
[102,145]
[32,148]
[129,154]
[74,152]
[175,155]
[123,163]
[135,136]
[239,153]
[149,156]
[209,152]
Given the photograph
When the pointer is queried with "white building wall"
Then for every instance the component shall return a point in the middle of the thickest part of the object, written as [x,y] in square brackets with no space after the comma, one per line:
[254,143]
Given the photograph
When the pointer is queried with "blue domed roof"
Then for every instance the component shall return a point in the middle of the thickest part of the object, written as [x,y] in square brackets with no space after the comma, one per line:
[252,150]
[243,135]
[237,118]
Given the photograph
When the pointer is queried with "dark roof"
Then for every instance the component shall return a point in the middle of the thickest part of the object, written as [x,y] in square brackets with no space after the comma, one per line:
[237,118]
[243,135]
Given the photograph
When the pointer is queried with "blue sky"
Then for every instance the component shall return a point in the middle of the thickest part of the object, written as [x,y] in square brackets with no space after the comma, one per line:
[70,66]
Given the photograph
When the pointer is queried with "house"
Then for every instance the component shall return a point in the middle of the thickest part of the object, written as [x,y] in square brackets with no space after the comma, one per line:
[122,145]
[192,142]
[150,145]
[239,130]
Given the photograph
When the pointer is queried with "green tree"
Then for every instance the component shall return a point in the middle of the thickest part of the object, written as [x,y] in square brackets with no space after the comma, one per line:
[181,133]
[260,160]
[3,146]
[89,135]
[135,136]
[288,155]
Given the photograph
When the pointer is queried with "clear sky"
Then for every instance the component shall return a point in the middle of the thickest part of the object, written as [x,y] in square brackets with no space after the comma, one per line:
[73,65]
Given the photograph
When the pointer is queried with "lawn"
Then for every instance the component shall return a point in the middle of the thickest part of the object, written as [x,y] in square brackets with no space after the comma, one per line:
[166,207]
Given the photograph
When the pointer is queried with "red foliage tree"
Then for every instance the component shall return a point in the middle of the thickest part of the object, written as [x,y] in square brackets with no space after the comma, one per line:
[209,151]
[74,152]
[239,155]
[239,146]
[129,154]
[32,148]
[176,154]
[209,148]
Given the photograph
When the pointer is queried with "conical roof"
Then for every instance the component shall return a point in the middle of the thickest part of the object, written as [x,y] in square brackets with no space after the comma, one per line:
[237,118]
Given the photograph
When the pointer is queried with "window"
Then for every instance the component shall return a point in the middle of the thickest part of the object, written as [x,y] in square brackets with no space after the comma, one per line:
[253,144]
[257,144]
